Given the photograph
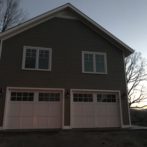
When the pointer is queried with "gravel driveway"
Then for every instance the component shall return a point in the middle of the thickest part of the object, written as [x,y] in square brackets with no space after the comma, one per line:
[75,138]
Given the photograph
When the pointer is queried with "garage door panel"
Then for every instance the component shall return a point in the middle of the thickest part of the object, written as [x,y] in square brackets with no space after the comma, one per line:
[14,108]
[100,122]
[112,122]
[101,111]
[105,121]
[41,109]
[112,110]
[27,110]
[83,110]
[54,110]
[47,110]
[53,122]
[42,122]
[26,122]
[82,122]
[13,122]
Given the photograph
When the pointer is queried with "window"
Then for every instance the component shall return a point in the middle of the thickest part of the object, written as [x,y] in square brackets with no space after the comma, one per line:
[49,96]
[106,98]
[37,58]
[94,62]
[77,97]
[22,96]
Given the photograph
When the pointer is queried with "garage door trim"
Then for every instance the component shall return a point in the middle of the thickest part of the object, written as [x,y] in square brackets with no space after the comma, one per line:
[8,92]
[95,90]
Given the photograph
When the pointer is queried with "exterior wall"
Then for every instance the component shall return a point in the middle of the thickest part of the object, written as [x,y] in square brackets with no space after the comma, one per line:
[2,104]
[67,38]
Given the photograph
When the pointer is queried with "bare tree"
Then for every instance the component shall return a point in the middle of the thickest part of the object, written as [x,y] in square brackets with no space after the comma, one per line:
[10,14]
[136,76]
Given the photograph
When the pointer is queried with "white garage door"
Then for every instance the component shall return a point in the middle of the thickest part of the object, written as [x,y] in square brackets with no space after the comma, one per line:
[95,110]
[31,110]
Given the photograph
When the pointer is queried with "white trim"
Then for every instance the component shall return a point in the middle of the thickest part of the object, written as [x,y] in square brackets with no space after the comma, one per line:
[120,109]
[8,91]
[46,16]
[65,15]
[22,27]
[6,108]
[1,45]
[95,90]
[23,58]
[31,23]
[33,88]
[126,126]
[127,91]
[94,62]
[101,28]
[34,21]
[37,58]
[63,101]
[66,127]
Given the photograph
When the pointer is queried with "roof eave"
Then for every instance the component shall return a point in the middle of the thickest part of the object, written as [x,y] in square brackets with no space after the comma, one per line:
[126,48]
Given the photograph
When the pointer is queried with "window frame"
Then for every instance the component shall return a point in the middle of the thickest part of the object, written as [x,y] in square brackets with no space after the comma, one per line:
[37,58]
[104,98]
[49,99]
[94,62]
[84,99]
[22,97]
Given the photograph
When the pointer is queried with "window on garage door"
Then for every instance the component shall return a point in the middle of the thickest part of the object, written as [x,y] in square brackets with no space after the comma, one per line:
[26,111]
[79,97]
[22,96]
[49,97]
[104,97]
[97,97]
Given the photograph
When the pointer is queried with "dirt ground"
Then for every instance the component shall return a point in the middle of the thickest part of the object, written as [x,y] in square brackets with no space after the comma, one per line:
[75,138]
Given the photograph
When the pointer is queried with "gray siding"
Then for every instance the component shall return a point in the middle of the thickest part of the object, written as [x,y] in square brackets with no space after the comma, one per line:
[67,38]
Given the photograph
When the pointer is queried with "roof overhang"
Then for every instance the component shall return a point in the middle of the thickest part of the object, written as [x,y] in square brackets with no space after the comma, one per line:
[53,13]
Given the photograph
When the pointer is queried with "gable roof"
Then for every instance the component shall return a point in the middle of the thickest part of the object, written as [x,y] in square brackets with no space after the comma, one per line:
[84,18]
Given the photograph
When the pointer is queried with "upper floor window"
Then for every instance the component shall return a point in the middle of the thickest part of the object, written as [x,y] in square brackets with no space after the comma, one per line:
[36,58]
[94,62]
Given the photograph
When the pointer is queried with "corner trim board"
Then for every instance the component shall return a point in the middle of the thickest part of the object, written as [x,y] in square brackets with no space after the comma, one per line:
[66,127]
[6,109]
[126,89]
[126,126]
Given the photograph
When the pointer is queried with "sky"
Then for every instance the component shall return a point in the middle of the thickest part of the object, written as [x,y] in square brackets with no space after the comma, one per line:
[126,19]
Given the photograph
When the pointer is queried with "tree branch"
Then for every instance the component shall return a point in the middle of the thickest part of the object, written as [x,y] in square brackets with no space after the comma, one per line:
[136,74]
[10,14]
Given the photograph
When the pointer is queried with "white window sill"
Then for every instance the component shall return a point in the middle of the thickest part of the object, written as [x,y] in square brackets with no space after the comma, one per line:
[30,69]
[104,73]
